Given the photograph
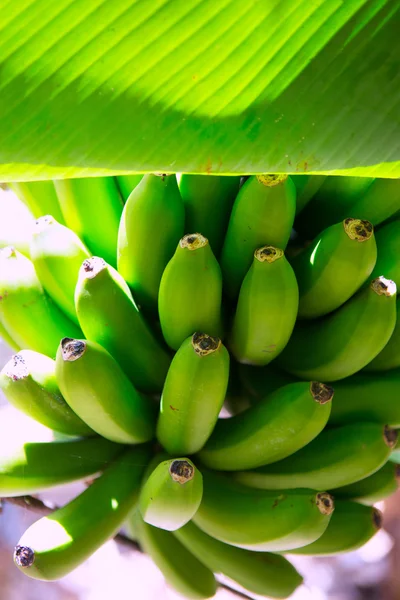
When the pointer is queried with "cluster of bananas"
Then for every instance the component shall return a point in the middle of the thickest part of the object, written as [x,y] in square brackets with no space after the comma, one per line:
[122,370]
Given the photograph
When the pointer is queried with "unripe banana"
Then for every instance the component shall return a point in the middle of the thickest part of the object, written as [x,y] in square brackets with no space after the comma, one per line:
[190,292]
[28,315]
[193,394]
[208,202]
[34,458]
[274,428]
[57,253]
[389,357]
[172,494]
[29,383]
[127,183]
[334,266]
[261,520]
[352,525]
[109,316]
[335,458]
[6,337]
[92,208]
[375,488]
[181,570]
[266,310]
[258,572]
[345,341]
[40,197]
[370,397]
[306,187]
[55,545]
[153,218]
[99,392]
[388,244]
[263,213]
[16,223]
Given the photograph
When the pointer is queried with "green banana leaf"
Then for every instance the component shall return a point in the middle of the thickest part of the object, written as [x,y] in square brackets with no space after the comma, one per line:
[96,87]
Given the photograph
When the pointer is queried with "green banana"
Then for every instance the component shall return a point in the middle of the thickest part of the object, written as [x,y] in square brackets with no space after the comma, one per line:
[190,292]
[193,394]
[99,392]
[335,458]
[306,187]
[266,310]
[153,218]
[28,315]
[352,525]
[180,568]
[57,544]
[127,183]
[345,341]
[109,316]
[57,253]
[29,383]
[208,202]
[92,208]
[389,357]
[263,213]
[334,266]
[40,197]
[378,486]
[370,397]
[261,520]
[274,428]
[34,458]
[172,494]
[388,244]
[258,572]
[6,337]
[16,223]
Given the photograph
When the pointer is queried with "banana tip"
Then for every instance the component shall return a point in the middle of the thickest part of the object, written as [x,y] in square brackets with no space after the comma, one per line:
[93,266]
[271,180]
[390,436]
[42,223]
[204,344]
[383,286]
[17,368]
[321,392]
[358,230]
[24,556]
[268,254]
[325,503]
[193,241]
[181,471]
[72,349]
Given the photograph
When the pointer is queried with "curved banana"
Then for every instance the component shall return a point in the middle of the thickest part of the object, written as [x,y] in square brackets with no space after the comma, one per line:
[266,310]
[367,396]
[29,316]
[258,572]
[193,394]
[171,494]
[16,223]
[352,525]
[258,519]
[92,208]
[306,187]
[388,244]
[29,383]
[190,292]
[263,213]
[274,428]
[208,203]
[389,357]
[57,253]
[335,458]
[153,219]
[180,568]
[375,488]
[109,316]
[127,183]
[334,266]
[34,458]
[55,545]
[345,341]
[99,392]
[40,197]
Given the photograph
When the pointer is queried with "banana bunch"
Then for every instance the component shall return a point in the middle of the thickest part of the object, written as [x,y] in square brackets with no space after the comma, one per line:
[139,307]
